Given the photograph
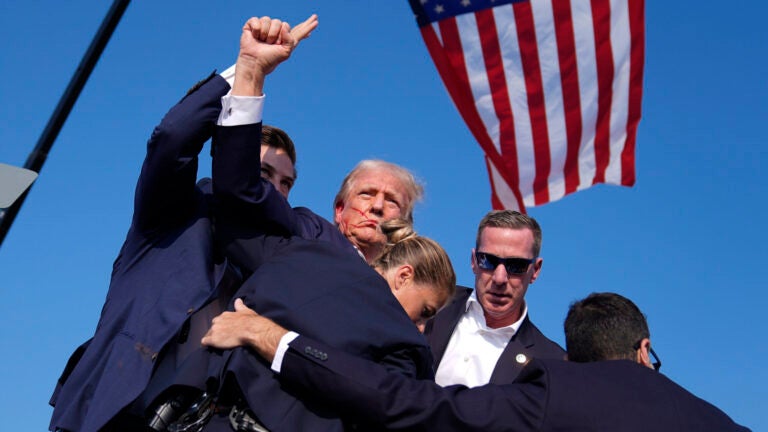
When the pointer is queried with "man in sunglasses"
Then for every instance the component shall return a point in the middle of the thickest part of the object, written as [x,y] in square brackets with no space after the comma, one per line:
[609,384]
[485,335]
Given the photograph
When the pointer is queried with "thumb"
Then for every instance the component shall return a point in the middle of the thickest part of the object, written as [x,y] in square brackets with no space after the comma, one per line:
[286,38]
[240,306]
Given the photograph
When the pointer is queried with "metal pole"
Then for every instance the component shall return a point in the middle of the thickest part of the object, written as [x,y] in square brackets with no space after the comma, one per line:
[38,156]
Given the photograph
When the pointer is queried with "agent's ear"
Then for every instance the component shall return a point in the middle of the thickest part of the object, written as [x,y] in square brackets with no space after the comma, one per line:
[537,268]
[403,276]
[643,355]
[473,262]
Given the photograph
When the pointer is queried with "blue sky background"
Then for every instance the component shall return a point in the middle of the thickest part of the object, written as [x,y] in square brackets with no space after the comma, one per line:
[687,243]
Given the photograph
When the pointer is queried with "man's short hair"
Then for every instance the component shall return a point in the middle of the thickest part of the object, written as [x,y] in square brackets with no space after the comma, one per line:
[513,220]
[277,138]
[604,326]
[413,189]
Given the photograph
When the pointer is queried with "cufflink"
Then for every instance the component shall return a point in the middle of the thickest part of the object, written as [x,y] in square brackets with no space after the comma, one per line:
[521,358]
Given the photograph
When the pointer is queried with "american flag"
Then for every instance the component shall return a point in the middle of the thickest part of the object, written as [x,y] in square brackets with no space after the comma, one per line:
[550,89]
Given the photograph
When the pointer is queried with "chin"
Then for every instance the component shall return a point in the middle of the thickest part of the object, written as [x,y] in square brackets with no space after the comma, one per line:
[371,236]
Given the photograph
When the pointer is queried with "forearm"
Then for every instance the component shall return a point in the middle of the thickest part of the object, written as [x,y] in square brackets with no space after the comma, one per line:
[245,203]
[168,175]
[266,342]
[368,393]
[249,77]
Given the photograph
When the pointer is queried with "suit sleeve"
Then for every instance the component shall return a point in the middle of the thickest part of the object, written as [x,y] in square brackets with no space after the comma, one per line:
[246,206]
[165,193]
[368,393]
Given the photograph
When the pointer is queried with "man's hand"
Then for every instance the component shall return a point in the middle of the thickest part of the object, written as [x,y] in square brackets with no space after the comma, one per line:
[264,44]
[244,327]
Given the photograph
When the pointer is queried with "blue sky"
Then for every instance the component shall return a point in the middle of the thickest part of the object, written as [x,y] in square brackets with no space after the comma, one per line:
[687,243]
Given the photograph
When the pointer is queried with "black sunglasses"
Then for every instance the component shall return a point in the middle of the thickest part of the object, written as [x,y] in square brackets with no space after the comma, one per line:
[656,363]
[513,265]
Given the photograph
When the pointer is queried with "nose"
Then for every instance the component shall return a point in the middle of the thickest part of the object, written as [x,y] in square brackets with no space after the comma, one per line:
[377,206]
[421,325]
[500,275]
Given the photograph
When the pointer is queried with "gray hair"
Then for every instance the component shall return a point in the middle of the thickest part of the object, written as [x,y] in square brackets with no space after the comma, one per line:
[413,190]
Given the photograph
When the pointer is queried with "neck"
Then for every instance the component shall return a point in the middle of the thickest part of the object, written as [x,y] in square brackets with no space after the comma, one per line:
[370,252]
[507,320]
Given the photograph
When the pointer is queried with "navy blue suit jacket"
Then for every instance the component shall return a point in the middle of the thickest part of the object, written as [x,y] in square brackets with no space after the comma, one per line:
[548,395]
[167,268]
[322,288]
[324,291]
[528,340]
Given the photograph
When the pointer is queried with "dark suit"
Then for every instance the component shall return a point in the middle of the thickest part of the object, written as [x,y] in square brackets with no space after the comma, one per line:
[322,288]
[528,340]
[326,292]
[166,269]
[548,395]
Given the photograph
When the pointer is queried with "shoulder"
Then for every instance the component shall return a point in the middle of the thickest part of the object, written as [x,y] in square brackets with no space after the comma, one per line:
[544,346]
[626,388]
[459,299]
[448,316]
[312,226]
[213,82]
[311,218]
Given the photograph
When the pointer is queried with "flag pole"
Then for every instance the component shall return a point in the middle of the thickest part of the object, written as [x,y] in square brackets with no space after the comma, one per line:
[38,156]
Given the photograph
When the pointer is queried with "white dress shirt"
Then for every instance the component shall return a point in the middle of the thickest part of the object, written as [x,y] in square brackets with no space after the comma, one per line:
[474,348]
[239,110]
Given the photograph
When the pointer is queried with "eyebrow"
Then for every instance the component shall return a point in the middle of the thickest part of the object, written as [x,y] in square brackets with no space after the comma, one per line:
[394,197]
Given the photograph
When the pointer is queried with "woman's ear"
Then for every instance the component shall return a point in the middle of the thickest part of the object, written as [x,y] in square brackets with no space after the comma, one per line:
[403,276]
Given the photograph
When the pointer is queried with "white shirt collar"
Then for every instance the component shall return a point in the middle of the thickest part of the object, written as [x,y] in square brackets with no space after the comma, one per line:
[475,310]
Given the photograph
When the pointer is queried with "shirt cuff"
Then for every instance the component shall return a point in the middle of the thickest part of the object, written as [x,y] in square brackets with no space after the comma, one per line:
[282,347]
[240,110]
[229,75]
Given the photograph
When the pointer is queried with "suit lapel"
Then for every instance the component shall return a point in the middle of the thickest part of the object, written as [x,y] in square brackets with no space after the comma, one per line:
[440,329]
[515,356]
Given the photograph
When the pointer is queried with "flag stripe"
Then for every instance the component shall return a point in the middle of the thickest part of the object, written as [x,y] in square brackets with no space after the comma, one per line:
[601,10]
[584,37]
[523,168]
[461,96]
[620,42]
[529,55]
[546,42]
[569,77]
[637,31]
[489,41]
[479,83]
[502,197]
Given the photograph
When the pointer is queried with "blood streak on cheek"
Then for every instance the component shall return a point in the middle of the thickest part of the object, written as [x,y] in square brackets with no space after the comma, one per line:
[365,220]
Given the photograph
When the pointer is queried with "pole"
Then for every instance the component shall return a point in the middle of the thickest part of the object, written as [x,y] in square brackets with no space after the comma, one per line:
[38,156]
